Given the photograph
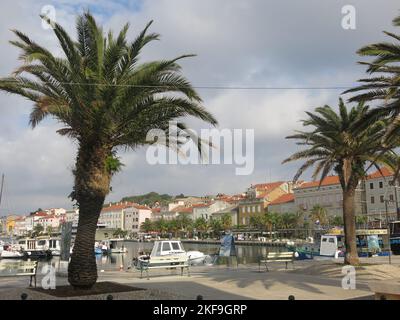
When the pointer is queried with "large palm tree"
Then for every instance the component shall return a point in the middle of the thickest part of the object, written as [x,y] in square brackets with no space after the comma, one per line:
[336,142]
[383,86]
[106,100]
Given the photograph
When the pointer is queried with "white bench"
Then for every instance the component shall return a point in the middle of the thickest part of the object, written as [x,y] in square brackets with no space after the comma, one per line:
[276,257]
[19,269]
[166,263]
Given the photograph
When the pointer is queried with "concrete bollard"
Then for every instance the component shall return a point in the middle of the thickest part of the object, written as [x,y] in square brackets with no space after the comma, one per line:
[199,297]
[291,297]
[24,296]
[110,297]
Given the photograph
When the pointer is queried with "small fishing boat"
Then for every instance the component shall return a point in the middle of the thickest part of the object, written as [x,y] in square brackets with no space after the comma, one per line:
[167,253]
[331,245]
[49,243]
[31,249]
[117,246]
[11,252]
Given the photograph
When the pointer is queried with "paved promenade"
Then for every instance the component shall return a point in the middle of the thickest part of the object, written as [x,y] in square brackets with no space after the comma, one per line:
[311,280]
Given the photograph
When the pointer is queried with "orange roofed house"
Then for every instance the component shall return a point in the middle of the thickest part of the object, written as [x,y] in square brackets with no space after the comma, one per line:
[258,197]
[328,195]
[284,204]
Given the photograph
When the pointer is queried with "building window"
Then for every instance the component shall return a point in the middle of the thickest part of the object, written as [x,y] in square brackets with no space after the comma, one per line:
[371,185]
[372,199]
[381,198]
[391,198]
[381,184]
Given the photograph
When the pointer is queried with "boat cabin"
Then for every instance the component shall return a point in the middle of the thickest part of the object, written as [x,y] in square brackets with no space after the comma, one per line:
[369,241]
[163,248]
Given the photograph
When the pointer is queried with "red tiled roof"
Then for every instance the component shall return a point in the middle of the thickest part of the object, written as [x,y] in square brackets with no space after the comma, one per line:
[198,205]
[117,207]
[41,214]
[156,210]
[268,186]
[385,171]
[326,182]
[139,206]
[183,209]
[285,198]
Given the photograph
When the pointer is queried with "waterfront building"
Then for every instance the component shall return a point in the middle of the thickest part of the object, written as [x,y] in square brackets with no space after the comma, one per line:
[113,215]
[328,195]
[10,224]
[232,211]
[205,210]
[379,191]
[284,204]
[258,197]
[56,211]
[134,216]
[19,227]
[50,220]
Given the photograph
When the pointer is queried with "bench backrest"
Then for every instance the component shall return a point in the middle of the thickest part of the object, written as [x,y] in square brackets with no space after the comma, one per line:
[21,266]
[280,255]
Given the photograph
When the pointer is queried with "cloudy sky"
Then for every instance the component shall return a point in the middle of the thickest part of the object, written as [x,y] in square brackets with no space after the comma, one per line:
[239,43]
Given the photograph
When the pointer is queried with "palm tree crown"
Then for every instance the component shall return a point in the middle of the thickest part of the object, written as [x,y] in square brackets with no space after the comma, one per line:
[337,141]
[384,85]
[105,99]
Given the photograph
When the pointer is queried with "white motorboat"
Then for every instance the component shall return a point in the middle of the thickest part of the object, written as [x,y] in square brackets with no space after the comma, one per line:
[34,249]
[165,253]
[49,243]
[11,252]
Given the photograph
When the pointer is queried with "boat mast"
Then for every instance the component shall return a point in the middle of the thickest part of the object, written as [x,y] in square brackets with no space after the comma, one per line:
[2,185]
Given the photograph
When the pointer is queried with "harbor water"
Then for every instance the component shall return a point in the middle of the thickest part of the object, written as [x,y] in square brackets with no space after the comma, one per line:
[245,254]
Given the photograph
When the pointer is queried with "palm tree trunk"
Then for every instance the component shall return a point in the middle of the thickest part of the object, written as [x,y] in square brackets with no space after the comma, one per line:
[92,184]
[351,256]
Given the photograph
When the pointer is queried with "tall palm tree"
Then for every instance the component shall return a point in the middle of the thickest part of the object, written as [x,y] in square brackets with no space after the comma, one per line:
[337,143]
[384,85]
[147,225]
[106,101]
[226,221]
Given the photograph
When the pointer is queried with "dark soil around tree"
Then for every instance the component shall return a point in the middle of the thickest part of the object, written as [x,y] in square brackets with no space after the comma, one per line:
[99,288]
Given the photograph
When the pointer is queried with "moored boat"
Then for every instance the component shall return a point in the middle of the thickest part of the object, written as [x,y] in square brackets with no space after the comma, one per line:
[331,245]
[167,253]
[117,246]
[11,252]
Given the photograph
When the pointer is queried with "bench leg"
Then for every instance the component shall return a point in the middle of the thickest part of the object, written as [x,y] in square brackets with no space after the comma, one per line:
[266,267]
[286,265]
[30,281]
[188,271]
[181,271]
[147,272]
